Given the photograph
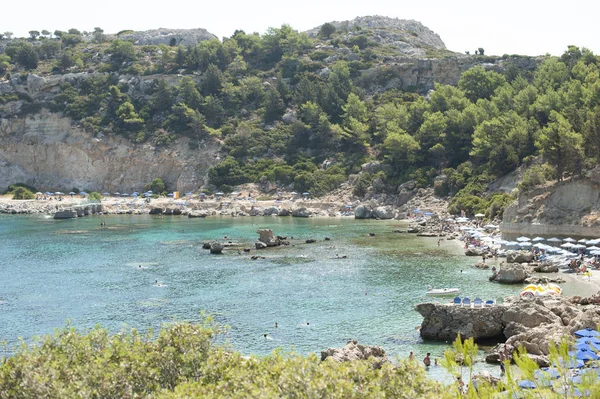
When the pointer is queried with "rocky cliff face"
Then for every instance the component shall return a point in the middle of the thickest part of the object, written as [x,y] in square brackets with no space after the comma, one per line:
[169,37]
[46,151]
[408,36]
[570,207]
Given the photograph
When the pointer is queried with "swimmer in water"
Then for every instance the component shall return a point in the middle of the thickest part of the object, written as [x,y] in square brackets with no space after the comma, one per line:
[276,325]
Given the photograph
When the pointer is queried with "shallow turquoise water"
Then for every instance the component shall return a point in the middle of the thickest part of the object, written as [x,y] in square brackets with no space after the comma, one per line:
[54,271]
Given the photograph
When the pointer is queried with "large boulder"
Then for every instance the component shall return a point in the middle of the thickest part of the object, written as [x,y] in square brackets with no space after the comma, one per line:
[444,322]
[511,274]
[382,212]
[474,251]
[283,212]
[156,211]
[530,314]
[255,211]
[519,257]
[271,210]
[362,212]
[198,214]
[355,351]
[216,248]
[546,268]
[301,212]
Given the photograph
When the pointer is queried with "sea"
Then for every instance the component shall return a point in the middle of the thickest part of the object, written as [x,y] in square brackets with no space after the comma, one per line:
[141,272]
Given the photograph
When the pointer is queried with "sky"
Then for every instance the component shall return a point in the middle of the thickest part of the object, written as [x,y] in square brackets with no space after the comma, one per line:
[526,27]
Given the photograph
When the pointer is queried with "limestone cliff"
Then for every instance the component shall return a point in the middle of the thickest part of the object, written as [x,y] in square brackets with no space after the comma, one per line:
[46,151]
[570,207]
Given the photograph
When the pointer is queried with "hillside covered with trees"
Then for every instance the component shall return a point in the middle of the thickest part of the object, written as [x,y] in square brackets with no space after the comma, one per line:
[306,112]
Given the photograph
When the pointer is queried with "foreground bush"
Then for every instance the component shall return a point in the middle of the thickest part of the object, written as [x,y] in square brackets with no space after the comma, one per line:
[181,363]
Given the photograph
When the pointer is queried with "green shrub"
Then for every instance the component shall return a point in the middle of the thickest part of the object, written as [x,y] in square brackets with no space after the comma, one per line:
[362,184]
[21,193]
[536,175]
[14,186]
[95,196]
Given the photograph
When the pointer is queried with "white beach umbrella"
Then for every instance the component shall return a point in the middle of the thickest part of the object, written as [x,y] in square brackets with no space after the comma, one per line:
[523,239]
[593,248]
[578,246]
[524,244]
[554,239]
[567,245]
[569,239]
[583,240]
[462,220]
[592,242]
[490,226]
[479,215]
[538,239]
[596,252]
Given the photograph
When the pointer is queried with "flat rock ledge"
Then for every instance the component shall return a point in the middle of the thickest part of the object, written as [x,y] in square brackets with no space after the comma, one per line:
[533,324]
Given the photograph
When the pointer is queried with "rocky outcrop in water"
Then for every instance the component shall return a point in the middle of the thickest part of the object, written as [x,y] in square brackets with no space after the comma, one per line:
[355,351]
[532,324]
[513,273]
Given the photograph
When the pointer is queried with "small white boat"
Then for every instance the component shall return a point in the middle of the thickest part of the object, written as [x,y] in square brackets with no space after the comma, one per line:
[442,291]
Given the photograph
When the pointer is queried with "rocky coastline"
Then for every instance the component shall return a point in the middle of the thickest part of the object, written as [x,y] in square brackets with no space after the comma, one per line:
[532,324]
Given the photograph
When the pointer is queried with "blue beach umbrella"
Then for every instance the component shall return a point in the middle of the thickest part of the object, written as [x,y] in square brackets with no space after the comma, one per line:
[547,373]
[584,354]
[72,193]
[573,364]
[589,340]
[147,195]
[105,193]
[587,332]
[202,194]
[588,346]
[83,193]
[417,211]
[170,194]
[189,193]
[526,384]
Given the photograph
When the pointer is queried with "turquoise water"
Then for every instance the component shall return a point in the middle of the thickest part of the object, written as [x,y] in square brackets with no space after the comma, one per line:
[54,271]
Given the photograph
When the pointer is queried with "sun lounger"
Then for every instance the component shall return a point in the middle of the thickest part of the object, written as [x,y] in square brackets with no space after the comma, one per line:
[457,301]
[466,302]
[477,303]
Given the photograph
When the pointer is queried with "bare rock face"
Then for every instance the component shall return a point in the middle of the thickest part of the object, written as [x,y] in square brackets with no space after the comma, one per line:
[355,351]
[408,36]
[511,274]
[443,322]
[46,151]
[170,37]
[362,212]
[383,212]
[301,212]
[519,257]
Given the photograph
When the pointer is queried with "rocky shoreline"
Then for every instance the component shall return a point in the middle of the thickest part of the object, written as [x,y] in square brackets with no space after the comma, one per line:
[532,324]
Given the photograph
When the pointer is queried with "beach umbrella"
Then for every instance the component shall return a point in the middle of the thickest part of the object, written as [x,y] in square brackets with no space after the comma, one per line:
[83,193]
[428,214]
[72,193]
[538,239]
[593,248]
[554,239]
[593,340]
[149,191]
[587,332]
[189,193]
[547,373]
[219,193]
[587,345]
[490,226]
[479,215]
[462,220]
[583,240]
[348,206]
[147,195]
[567,245]
[202,194]
[293,193]
[39,193]
[234,193]
[524,244]
[569,239]
[58,193]
[117,193]
[417,211]
[305,194]
[170,194]
[526,384]
[572,363]
[134,194]
[105,193]
[522,239]
[124,195]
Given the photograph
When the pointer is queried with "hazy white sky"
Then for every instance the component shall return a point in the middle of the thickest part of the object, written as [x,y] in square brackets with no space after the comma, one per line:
[530,27]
